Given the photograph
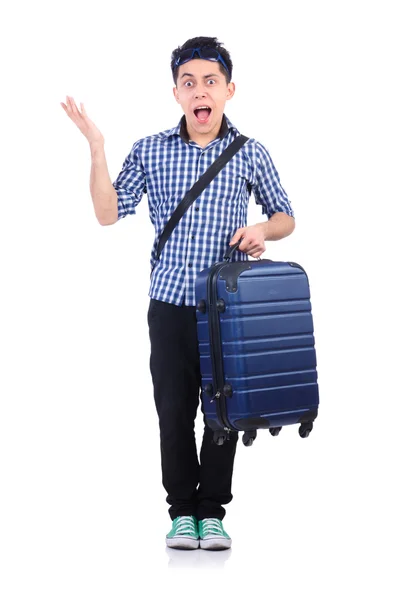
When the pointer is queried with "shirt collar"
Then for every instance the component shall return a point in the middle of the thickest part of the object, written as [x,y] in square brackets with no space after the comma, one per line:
[181,129]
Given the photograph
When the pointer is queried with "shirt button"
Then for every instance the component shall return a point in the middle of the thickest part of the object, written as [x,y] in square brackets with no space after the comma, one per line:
[190,265]
[196,208]
[193,236]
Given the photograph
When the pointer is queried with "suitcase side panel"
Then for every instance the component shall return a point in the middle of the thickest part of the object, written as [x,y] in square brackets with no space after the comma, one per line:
[268,345]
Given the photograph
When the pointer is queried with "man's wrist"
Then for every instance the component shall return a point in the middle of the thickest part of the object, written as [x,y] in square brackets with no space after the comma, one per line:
[96,148]
[265,229]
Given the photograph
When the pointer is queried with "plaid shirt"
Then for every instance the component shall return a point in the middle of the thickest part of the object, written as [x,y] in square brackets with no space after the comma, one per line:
[165,166]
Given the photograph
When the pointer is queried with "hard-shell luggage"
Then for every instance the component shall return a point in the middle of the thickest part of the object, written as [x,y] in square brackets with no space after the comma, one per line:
[257,349]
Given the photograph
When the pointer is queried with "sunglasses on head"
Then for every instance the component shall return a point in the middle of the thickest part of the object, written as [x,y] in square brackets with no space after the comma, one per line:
[205,53]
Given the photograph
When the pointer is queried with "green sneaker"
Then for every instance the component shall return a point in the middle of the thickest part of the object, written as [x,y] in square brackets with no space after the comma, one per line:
[184,534]
[212,535]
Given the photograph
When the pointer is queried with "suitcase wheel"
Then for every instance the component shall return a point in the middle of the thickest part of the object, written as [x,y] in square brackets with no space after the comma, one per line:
[248,438]
[219,438]
[305,429]
[275,430]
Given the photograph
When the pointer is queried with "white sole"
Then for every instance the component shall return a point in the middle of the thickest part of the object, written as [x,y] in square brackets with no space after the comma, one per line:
[182,543]
[215,544]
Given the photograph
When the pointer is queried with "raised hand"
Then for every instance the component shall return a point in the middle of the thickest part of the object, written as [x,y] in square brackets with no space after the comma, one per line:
[83,122]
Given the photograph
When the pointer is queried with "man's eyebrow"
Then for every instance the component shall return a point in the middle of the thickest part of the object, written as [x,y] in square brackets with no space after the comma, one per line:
[204,76]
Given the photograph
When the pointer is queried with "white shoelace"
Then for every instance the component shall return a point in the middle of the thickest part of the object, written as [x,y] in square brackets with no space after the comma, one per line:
[185,526]
[212,527]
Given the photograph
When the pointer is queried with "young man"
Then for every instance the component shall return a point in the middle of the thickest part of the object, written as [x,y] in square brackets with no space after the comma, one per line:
[165,166]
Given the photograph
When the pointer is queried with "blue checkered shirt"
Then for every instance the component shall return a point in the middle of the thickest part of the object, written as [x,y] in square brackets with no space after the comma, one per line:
[165,166]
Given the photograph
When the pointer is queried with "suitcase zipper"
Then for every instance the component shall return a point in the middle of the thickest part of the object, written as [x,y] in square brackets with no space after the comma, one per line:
[216,349]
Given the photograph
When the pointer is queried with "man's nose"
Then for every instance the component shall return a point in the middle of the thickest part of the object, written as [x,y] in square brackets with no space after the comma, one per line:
[200,93]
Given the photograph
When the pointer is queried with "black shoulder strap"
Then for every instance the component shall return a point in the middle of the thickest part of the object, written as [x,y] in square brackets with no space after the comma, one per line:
[198,187]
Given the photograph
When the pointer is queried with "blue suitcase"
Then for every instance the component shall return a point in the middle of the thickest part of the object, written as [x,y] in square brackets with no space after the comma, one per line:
[257,349]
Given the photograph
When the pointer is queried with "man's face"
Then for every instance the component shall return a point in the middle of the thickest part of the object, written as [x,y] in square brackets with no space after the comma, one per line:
[202,92]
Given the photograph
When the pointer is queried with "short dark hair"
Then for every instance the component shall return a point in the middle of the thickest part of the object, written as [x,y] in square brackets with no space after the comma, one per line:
[203,42]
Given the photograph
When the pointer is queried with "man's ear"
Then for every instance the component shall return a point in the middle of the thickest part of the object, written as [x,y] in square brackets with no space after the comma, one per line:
[231,88]
[176,95]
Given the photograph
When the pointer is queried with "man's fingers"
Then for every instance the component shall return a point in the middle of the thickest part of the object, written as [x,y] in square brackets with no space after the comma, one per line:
[73,112]
[74,107]
[245,245]
[257,250]
[69,104]
[243,248]
[237,236]
[68,108]
[252,247]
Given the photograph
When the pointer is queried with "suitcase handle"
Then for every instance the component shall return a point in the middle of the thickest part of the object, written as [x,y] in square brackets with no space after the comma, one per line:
[232,249]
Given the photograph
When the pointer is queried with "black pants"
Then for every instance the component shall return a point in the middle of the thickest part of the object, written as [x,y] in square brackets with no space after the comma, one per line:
[194,487]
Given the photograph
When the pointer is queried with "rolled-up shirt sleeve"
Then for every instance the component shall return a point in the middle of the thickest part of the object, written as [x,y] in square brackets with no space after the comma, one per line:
[267,188]
[130,184]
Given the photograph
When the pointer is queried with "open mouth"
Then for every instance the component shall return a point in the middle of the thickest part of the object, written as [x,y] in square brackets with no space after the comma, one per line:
[202,113]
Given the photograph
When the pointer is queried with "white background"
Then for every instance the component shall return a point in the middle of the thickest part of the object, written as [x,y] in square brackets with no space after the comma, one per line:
[82,509]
